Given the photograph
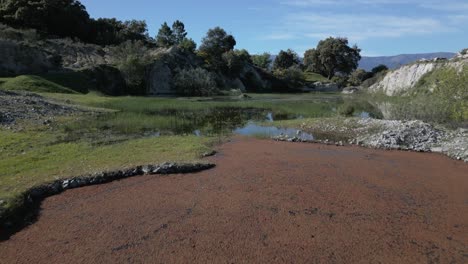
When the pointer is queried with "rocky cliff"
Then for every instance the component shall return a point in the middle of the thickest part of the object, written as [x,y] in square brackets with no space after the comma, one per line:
[404,79]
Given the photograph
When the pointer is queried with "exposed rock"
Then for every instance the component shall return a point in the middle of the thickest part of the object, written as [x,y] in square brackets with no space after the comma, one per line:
[167,62]
[323,87]
[350,90]
[17,58]
[209,154]
[402,80]
[159,79]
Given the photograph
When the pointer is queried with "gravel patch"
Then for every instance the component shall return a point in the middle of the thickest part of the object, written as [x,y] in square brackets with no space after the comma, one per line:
[20,106]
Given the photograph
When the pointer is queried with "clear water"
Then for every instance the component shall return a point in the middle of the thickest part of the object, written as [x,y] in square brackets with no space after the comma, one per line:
[253,129]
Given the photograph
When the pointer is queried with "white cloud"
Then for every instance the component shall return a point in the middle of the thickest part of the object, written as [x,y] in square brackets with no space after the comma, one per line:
[447,5]
[356,27]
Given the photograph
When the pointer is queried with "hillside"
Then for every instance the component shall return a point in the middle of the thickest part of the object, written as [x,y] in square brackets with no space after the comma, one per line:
[393,62]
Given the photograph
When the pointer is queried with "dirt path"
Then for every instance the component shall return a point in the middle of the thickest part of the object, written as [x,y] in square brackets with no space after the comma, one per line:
[266,202]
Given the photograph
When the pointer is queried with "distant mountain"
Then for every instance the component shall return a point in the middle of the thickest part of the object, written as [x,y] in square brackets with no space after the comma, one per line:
[393,62]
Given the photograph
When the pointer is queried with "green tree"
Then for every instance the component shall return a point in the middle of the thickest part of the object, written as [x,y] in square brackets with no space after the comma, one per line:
[64,18]
[379,68]
[178,32]
[165,37]
[263,60]
[332,56]
[235,61]
[188,45]
[132,58]
[195,82]
[214,45]
[285,60]
[357,77]
[110,31]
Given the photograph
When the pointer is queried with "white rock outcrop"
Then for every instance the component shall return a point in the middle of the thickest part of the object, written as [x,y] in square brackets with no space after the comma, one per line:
[403,79]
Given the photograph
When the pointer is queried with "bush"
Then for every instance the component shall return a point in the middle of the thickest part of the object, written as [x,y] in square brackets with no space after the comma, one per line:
[294,76]
[195,82]
[132,58]
[342,81]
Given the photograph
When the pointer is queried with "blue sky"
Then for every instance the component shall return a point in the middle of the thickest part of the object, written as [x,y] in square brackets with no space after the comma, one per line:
[378,27]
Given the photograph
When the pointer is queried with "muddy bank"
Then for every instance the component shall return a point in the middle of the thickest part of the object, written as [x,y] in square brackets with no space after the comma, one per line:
[269,202]
[24,211]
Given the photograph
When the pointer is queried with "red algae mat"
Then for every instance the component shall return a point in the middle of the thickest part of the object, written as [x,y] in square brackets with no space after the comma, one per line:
[265,202]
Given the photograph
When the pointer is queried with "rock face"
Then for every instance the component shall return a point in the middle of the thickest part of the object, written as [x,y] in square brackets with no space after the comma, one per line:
[17,58]
[167,62]
[402,80]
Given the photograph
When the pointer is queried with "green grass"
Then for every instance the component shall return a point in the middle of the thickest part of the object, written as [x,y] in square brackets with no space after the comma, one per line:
[308,105]
[75,81]
[34,157]
[33,83]
[315,77]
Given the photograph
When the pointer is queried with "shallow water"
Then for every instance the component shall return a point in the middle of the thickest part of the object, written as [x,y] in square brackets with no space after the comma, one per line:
[253,129]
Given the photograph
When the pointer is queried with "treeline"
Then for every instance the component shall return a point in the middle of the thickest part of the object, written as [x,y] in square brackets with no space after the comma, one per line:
[333,58]
[69,18]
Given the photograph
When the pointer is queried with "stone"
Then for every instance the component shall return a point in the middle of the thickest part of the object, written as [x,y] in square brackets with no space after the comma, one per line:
[209,154]
[350,90]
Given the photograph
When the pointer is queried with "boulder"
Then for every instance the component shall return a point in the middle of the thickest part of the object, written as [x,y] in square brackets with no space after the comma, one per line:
[350,90]
[159,79]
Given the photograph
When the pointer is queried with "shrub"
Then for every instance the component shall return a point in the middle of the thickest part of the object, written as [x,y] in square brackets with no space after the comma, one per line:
[132,58]
[294,76]
[342,81]
[195,82]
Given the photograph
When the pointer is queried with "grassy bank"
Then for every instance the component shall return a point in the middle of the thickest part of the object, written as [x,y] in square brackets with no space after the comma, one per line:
[30,158]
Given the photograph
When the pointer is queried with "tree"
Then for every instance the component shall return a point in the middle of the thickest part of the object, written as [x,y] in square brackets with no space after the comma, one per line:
[134,30]
[188,45]
[357,77]
[178,32]
[263,61]
[235,61]
[379,68]
[214,45]
[285,60]
[64,18]
[165,37]
[195,82]
[132,59]
[332,56]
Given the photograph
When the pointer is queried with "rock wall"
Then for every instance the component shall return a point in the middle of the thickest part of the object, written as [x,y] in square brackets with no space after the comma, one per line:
[17,58]
[402,80]
[167,62]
